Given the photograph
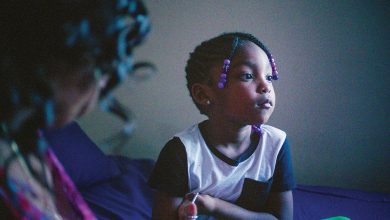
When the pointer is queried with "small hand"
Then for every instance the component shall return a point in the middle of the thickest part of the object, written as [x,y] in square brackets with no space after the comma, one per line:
[206,204]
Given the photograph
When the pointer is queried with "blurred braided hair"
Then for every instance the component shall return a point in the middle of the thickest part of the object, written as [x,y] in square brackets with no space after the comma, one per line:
[34,34]
[213,52]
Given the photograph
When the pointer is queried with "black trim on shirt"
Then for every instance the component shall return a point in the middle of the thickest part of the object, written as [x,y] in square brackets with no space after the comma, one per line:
[283,173]
[234,162]
[170,173]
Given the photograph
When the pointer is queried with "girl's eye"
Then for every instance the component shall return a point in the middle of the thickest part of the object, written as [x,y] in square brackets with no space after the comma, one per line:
[246,76]
[269,78]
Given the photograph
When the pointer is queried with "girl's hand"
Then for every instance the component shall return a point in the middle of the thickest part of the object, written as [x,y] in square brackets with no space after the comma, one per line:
[206,204]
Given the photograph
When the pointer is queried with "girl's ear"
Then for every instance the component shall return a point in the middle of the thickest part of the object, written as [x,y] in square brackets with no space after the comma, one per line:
[201,94]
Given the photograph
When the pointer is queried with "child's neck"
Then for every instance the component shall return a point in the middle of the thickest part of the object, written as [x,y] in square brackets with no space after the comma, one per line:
[230,140]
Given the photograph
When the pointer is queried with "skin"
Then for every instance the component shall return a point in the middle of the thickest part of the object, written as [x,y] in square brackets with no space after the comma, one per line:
[248,98]
[75,92]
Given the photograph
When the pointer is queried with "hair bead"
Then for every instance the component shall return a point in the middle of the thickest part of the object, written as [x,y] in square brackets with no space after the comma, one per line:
[223,76]
[275,74]
[257,129]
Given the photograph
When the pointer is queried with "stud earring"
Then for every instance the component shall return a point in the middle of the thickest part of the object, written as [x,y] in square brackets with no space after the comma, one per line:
[208,102]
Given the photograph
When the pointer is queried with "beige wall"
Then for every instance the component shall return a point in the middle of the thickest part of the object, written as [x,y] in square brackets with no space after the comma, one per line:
[332,99]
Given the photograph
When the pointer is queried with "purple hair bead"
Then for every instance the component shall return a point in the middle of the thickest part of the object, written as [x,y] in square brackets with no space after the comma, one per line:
[257,129]
[223,76]
[275,74]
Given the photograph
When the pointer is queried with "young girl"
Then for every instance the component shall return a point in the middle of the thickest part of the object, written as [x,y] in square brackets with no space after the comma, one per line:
[57,57]
[240,167]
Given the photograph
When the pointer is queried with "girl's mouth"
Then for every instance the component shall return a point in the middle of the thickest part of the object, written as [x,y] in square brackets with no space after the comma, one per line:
[267,104]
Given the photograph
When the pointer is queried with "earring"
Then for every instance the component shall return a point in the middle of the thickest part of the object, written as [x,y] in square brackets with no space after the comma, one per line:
[208,102]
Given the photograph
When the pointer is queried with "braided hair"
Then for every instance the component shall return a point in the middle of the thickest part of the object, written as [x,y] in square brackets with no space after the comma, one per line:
[36,34]
[215,51]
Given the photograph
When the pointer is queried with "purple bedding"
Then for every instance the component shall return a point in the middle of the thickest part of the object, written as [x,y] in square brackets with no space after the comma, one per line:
[113,186]
[318,202]
[126,196]
[116,187]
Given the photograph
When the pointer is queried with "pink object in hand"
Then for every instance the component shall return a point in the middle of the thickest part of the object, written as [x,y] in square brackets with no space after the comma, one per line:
[192,210]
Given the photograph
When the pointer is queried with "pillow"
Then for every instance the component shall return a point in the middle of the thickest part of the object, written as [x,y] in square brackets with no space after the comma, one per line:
[84,162]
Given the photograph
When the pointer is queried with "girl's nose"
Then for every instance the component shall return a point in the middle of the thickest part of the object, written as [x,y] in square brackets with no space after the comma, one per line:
[263,87]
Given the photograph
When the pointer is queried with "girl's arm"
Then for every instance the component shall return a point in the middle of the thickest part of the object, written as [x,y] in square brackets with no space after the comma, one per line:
[165,206]
[279,205]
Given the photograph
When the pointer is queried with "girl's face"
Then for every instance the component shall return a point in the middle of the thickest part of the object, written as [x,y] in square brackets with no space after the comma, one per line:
[248,97]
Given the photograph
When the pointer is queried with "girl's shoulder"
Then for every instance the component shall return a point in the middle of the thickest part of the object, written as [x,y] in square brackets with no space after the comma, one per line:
[191,133]
[273,132]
